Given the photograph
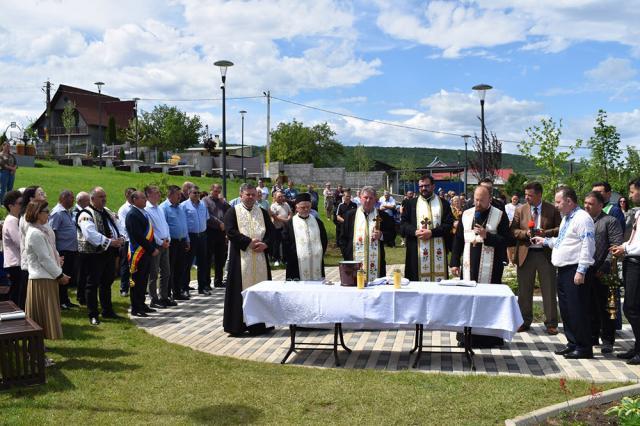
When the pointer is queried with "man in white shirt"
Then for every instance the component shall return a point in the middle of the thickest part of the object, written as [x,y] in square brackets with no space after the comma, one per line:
[630,252]
[572,253]
[280,214]
[263,189]
[387,203]
[160,263]
[510,208]
[124,264]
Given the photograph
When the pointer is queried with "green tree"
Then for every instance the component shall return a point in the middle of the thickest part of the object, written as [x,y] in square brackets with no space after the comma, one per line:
[542,147]
[69,121]
[168,128]
[112,131]
[515,184]
[408,166]
[296,143]
[605,148]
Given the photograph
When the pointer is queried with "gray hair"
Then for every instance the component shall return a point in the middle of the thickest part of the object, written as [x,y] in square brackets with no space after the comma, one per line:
[368,189]
[80,195]
[246,186]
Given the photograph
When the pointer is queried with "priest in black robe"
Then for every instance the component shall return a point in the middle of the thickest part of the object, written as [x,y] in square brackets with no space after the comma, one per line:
[315,244]
[242,244]
[410,231]
[386,233]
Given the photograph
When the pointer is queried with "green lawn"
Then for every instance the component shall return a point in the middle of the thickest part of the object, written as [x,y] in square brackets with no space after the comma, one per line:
[116,373]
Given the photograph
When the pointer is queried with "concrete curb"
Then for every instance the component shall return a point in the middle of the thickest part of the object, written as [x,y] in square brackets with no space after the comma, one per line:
[542,414]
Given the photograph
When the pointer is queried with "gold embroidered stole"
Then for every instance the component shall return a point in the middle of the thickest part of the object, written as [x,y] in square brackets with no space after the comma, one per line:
[253,265]
[487,253]
[364,249]
[308,247]
[432,255]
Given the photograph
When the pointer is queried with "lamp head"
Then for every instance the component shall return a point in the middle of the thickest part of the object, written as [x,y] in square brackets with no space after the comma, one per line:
[223,67]
[482,90]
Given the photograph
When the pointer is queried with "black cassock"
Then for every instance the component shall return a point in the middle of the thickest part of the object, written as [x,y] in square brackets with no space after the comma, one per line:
[233,320]
[289,246]
[387,226]
[500,240]
[408,227]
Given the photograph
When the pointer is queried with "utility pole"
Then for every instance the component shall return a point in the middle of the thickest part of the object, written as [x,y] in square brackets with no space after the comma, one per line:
[49,118]
[267,153]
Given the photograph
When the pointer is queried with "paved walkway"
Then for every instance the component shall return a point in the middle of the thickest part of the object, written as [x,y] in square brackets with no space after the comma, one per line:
[197,323]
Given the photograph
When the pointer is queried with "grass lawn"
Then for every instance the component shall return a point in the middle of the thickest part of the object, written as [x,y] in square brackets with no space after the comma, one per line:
[116,373]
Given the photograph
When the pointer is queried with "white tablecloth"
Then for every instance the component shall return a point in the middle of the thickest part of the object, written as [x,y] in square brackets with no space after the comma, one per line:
[490,309]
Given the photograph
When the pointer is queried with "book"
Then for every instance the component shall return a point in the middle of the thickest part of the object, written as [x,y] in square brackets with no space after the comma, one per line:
[458,282]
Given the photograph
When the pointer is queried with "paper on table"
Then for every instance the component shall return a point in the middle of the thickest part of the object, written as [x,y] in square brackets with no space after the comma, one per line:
[386,280]
[458,282]
[8,316]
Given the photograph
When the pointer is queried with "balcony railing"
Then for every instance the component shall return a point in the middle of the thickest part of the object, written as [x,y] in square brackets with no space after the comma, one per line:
[61,131]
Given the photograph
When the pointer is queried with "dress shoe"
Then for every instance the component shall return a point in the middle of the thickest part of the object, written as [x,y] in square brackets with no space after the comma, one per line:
[606,347]
[579,355]
[634,361]
[111,315]
[94,321]
[523,328]
[564,351]
[181,297]
[551,330]
[139,314]
[261,331]
[627,355]
[148,310]
[124,293]
[204,292]
[219,285]
[157,304]
[168,302]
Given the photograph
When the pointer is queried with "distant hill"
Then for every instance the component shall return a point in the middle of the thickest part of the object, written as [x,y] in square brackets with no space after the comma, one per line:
[424,156]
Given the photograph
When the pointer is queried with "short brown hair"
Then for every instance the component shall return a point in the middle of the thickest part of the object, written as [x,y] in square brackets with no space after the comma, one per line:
[33,210]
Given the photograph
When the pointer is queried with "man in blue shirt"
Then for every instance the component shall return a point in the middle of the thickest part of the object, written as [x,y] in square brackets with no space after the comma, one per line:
[290,193]
[179,245]
[64,227]
[197,216]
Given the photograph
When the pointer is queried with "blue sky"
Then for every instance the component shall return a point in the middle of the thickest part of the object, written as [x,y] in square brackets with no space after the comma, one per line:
[411,63]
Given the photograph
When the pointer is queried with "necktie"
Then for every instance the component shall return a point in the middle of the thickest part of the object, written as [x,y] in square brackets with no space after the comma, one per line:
[535,215]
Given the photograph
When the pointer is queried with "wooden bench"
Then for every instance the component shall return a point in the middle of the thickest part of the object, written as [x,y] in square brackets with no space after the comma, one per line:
[21,351]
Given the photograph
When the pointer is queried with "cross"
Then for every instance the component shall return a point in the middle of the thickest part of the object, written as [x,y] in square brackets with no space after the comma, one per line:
[425,223]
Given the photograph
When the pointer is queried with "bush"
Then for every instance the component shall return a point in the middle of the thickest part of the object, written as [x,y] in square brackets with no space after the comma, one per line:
[628,411]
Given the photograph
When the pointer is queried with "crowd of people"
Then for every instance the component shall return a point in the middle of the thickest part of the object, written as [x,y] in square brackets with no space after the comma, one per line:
[153,245]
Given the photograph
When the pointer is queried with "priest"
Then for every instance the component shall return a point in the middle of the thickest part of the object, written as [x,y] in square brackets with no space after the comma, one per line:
[365,232]
[250,232]
[481,241]
[304,240]
[426,224]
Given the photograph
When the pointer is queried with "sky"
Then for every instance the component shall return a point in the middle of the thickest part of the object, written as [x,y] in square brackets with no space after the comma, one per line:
[410,63]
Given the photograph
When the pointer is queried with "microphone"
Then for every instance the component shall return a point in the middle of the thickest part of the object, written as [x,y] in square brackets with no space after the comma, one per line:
[532,228]
[477,218]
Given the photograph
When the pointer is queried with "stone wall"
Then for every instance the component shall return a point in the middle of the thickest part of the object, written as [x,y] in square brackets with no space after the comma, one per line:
[306,173]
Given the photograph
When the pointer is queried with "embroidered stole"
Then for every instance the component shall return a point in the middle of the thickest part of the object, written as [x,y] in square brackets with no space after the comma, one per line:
[487,253]
[364,249]
[308,247]
[253,266]
[136,251]
[432,255]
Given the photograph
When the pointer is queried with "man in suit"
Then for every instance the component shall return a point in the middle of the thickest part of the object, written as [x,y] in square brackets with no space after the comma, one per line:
[365,232]
[141,249]
[535,218]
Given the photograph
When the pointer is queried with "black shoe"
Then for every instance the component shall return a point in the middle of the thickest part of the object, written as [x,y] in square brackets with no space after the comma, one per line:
[181,297]
[124,293]
[157,304]
[580,355]
[606,347]
[627,355]
[635,360]
[261,331]
[204,292]
[191,289]
[564,351]
[111,315]
[148,310]
[139,314]
[94,321]
[219,285]
[168,302]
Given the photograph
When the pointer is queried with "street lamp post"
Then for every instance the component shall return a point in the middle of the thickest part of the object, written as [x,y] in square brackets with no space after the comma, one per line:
[224,65]
[482,92]
[136,101]
[244,175]
[100,84]
[466,162]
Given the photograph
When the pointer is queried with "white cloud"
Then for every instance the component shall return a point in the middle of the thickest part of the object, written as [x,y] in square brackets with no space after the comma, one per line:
[612,69]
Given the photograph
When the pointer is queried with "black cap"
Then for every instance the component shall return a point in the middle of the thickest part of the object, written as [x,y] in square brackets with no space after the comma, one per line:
[303,196]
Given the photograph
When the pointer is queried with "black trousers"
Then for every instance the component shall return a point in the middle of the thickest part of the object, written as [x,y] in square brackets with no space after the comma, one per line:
[140,278]
[631,304]
[217,253]
[601,325]
[18,285]
[199,253]
[101,268]
[124,268]
[177,261]
[574,301]
[276,246]
[82,274]
[68,268]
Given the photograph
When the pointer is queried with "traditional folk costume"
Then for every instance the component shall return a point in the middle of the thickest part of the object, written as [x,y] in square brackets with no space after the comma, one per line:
[482,260]
[305,242]
[426,260]
[358,245]
[246,267]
